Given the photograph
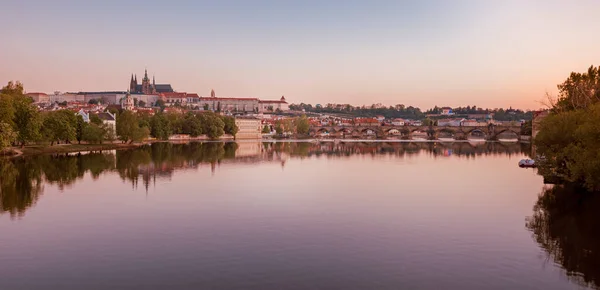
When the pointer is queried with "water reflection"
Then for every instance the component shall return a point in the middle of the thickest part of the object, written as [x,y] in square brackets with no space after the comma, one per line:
[566,224]
[22,180]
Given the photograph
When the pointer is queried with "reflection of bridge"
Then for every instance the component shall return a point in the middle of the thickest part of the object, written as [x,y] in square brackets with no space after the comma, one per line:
[490,132]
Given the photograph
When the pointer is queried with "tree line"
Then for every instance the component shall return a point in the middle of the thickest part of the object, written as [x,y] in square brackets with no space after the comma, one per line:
[410,112]
[568,142]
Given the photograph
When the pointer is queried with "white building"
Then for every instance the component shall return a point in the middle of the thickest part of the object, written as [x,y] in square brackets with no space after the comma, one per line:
[398,122]
[249,128]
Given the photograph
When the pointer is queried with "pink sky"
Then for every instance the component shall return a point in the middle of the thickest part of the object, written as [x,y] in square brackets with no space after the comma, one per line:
[492,54]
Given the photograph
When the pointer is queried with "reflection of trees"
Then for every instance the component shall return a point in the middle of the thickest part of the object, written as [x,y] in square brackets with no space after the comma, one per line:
[21,179]
[566,224]
[20,186]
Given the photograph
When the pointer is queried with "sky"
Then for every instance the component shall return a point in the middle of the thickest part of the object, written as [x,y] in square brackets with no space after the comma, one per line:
[420,52]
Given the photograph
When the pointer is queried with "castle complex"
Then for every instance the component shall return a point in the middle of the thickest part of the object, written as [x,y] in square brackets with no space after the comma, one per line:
[146,87]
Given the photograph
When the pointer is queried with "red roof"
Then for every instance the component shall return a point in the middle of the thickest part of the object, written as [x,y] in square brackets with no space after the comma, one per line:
[36,94]
[173,95]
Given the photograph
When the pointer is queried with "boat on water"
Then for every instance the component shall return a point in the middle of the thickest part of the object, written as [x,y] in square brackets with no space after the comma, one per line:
[527,163]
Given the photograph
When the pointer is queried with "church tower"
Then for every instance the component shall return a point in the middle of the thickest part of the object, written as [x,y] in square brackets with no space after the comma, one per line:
[132,84]
[146,87]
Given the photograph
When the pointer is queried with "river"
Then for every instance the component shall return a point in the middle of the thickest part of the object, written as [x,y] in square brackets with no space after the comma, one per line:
[293,215]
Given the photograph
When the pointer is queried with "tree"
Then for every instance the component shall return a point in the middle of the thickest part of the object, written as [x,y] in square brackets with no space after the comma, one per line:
[79,128]
[93,101]
[94,133]
[27,120]
[205,107]
[135,102]
[302,125]
[59,126]
[278,128]
[218,106]
[159,127]
[127,125]
[212,125]
[160,103]
[266,129]
[568,136]
[141,103]
[7,110]
[229,125]
[191,125]
[526,128]
[94,119]
[7,135]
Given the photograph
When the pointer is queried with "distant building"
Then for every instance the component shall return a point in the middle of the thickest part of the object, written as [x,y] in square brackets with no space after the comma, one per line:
[450,122]
[108,119]
[127,103]
[146,87]
[398,122]
[85,116]
[249,128]
[39,97]
[447,111]
[273,105]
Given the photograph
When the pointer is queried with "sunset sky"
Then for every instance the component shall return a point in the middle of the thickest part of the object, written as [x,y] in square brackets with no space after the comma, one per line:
[422,53]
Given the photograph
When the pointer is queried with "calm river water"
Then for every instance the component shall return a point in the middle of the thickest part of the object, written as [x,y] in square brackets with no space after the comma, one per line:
[293,216]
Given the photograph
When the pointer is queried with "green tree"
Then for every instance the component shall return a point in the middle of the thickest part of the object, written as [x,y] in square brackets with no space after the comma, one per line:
[229,125]
[302,125]
[28,121]
[59,126]
[160,103]
[205,107]
[141,103]
[93,101]
[7,110]
[212,125]
[127,126]
[266,129]
[80,126]
[7,135]
[191,125]
[94,133]
[159,126]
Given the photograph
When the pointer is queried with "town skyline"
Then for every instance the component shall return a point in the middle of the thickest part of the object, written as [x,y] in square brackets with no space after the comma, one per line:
[493,54]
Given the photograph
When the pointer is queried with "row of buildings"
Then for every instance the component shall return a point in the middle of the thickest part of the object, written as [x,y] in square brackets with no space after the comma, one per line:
[148,94]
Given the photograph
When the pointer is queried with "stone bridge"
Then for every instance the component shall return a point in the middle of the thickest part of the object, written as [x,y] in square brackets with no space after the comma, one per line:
[490,132]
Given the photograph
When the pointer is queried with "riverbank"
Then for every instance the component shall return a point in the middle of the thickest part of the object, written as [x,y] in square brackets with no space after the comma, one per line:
[65,148]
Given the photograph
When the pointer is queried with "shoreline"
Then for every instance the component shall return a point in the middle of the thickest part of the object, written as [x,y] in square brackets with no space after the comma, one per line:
[31,150]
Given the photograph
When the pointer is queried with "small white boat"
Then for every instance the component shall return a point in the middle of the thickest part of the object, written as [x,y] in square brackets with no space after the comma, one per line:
[527,163]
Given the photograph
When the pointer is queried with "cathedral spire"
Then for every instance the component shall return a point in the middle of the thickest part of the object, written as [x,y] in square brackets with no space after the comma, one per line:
[153,82]
[145,73]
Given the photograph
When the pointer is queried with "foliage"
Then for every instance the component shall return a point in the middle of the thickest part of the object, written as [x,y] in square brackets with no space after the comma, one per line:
[568,137]
[7,135]
[579,91]
[94,133]
[526,128]
[93,101]
[229,125]
[128,128]
[159,127]
[28,121]
[79,128]
[59,126]
[302,125]
[266,129]
[212,125]
[160,103]
[191,125]
[141,103]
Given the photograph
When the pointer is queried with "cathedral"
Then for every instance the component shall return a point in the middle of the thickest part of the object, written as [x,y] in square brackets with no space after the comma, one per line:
[146,87]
